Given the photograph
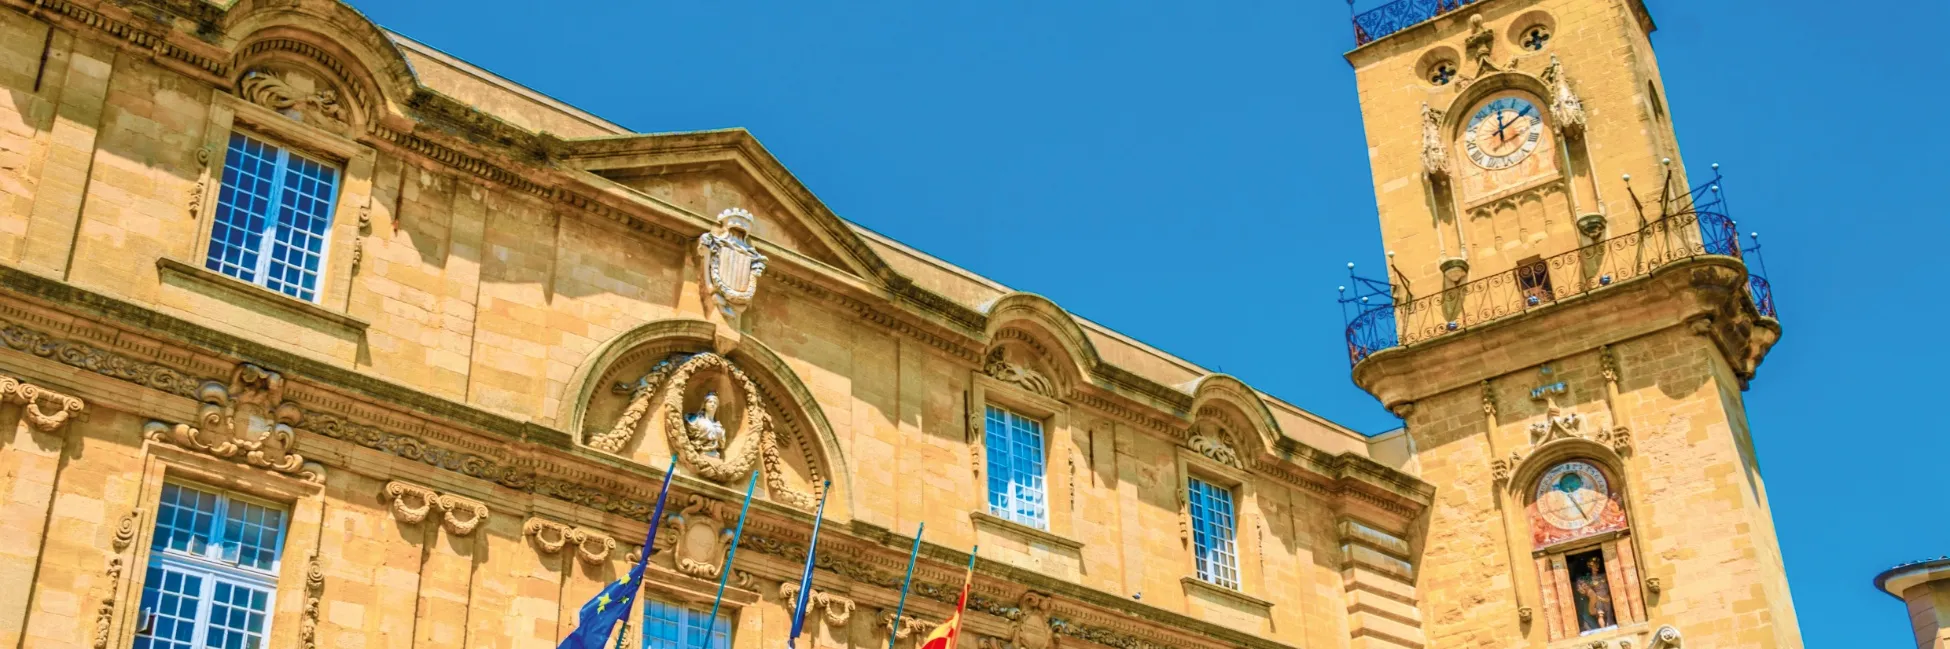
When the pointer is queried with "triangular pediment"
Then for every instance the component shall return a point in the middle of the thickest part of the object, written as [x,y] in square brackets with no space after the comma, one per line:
[705,173]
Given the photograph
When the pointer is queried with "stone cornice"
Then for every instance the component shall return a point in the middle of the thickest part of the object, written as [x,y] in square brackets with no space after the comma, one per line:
[502,454]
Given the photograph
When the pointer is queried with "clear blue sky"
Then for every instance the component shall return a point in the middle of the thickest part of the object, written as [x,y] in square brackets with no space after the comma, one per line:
[1194,175]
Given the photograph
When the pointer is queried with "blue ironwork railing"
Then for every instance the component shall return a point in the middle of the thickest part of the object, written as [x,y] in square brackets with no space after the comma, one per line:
[1398,15]
[1380,315]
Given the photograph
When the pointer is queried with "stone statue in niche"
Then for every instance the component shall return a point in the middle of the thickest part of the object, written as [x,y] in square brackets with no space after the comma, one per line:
[716,422]
[729,264]
[703,433]
[1480,45]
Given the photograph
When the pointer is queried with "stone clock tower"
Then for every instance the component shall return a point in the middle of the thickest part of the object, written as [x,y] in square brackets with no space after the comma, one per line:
[1567,329]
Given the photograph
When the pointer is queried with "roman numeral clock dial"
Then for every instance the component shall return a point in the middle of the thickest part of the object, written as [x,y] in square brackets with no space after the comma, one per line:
[1502,133]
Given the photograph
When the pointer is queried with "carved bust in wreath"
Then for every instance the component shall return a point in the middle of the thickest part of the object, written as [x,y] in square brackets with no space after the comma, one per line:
[702,432]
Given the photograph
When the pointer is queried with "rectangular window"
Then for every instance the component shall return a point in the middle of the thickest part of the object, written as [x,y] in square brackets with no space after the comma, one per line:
[1534,279]
[273,214]
[1015,449]
[213,567]
[674,626]
[1212,533]
[1591,591]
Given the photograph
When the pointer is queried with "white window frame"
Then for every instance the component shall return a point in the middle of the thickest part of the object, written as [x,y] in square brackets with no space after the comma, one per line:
[1215,543]
[1026,501]
[211,567]
[266,241]
[689,619]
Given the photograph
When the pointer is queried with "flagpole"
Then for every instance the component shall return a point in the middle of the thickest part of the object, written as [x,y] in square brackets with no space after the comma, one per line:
[805,578]
[724,574]
[954,641]
[905,581]
[649,537]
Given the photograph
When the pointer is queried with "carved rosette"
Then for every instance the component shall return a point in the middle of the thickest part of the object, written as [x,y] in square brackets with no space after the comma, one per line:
[42,409]
[247,422]
[838,609]
[1017,374]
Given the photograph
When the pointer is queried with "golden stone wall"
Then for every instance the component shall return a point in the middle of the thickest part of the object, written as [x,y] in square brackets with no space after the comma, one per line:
[490,292]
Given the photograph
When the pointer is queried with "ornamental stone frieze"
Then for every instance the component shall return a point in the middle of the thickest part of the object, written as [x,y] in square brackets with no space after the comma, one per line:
[248,422]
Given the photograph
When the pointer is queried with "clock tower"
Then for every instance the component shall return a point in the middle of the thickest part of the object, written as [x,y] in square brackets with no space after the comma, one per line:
[1567,328]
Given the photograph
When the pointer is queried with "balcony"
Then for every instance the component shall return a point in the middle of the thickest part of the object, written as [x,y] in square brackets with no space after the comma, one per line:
[1381,315]
[1398,15]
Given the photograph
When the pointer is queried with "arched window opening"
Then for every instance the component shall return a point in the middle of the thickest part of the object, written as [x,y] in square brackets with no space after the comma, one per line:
[1582,540]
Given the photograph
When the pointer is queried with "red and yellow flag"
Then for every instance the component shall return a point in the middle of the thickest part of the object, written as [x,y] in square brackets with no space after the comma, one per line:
[946,635]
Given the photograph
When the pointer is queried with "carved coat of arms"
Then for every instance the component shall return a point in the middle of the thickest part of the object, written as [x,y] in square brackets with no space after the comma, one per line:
[730,264]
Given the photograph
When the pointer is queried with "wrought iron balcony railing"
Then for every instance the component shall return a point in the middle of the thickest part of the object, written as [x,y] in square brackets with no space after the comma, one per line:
[1379,315]
[1398,15]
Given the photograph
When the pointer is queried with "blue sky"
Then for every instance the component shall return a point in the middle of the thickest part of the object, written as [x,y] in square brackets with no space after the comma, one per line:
[1194,175]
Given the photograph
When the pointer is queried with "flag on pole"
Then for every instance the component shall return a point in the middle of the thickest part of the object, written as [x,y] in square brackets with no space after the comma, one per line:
[949,633]
[724,573]
[895,633]
[612,603]
[805,576]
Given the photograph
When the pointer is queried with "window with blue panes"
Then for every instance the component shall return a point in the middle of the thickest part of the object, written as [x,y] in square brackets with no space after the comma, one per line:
[675,626]
[274,214]
[213,570]
[1015,460]
[1214,532]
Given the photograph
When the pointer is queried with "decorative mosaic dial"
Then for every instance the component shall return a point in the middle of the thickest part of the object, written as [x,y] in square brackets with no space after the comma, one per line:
[1573,495]
[1502,132]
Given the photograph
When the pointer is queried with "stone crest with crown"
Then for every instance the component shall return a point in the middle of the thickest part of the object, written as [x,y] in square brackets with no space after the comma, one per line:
[729,264]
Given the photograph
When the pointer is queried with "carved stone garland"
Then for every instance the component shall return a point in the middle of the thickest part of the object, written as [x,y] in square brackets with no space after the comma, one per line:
[592,548]
[671,378]
[32,398]
[314,589]
[248,422]
[838,609]
[461,516]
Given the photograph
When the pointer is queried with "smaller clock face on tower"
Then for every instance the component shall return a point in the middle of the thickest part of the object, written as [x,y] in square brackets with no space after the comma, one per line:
[1573,500]
[1503,132]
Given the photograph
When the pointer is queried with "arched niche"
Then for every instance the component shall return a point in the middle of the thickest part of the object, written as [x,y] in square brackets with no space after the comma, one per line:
[1220,401]
[1030,330]
[1579,534]
[643,396]
[326,43]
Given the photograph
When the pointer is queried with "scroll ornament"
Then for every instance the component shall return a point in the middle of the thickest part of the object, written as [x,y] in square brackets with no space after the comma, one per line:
[321,108]
[404,495]
[314,587]
[36,401]
[1214,446]
[461,515]
[905,626]
[1017,374]
[248,422]
[1032,630]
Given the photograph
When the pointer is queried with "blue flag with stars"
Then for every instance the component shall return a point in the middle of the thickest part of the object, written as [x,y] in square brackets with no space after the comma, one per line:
[599,617]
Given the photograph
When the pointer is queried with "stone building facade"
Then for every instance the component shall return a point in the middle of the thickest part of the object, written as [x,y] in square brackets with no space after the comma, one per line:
[313,336]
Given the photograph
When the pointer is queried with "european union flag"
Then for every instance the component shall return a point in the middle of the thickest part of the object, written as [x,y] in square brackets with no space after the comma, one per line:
[599,616]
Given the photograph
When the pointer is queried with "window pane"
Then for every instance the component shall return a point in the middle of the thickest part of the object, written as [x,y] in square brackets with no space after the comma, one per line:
[243,207]
[304,218]
[1213,541]
[1015,464]
[237,615]
[170,599]
[184,519]
[250,536]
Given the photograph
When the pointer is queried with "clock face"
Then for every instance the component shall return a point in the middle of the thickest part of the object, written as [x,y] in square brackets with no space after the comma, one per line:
[1503,132]
[1573,495]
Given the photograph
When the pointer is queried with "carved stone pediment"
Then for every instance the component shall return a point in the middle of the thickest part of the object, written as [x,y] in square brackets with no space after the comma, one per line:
[298,96]
[247,422]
